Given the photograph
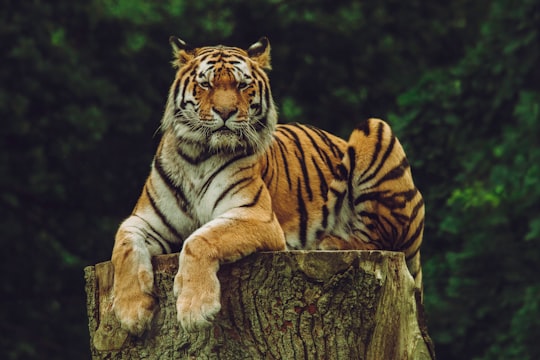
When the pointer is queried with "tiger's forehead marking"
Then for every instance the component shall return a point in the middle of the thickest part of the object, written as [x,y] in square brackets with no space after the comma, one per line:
[223,61]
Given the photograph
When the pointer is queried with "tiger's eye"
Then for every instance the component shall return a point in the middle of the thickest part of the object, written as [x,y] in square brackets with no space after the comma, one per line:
[204,84]
[242,85]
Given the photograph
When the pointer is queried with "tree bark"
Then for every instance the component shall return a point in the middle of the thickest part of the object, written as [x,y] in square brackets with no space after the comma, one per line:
[278,305]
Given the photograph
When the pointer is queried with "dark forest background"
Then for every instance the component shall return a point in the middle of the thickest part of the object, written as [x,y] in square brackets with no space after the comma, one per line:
[82,89]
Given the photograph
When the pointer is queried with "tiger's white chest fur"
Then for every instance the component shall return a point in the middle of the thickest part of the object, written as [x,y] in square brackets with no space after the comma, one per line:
[202,191]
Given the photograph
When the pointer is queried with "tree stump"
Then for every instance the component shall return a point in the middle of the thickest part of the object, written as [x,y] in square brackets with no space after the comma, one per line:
[277,305]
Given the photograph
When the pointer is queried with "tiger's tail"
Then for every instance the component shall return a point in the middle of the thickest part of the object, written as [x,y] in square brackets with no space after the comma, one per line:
[376,203]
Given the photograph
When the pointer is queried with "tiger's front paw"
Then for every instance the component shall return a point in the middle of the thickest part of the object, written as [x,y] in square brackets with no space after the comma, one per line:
[133,307]
[135,314]
[198,301]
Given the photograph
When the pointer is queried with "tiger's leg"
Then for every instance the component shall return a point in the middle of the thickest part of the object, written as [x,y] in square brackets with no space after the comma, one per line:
[133,302]
[227,238]
[330,242]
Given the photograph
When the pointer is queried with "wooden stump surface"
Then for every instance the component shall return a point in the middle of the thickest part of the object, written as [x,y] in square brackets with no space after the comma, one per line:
[277,305]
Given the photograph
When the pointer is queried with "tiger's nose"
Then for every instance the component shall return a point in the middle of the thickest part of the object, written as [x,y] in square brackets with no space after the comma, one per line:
[225,112]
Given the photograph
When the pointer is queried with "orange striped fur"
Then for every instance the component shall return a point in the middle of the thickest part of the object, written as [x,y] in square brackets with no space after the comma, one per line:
[227,181]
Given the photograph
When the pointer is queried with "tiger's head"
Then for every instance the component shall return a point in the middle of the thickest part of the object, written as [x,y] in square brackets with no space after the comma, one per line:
[220,100]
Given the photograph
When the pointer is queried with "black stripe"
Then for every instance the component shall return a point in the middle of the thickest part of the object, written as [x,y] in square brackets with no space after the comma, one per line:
[267,98]
[339,200]
[404,197]
[382,161]
[161,171]
[148,225]
[205,186]
[166,246]
[378,147]
[241,188]
[178,191]
[301,160]
[399,200]
[260,84]
[413,238]
[325,214]
[161,216]
[229,189]
[240,59]
[352,166]
[401,218]
[342,173]
[273,161]
[370,196]
[201,157]
[323,135]
[412,256]
[308,135]
[386,198]
[391,238]
[243,168]
[394,173]
[323,185]
[376,226]
[369,215]
[332,166]
[258,111]
[418,206]
[267,102]
[255,199]
[260,74]
[306,177]
[270,179]
[184,89]
[368,238]
[302,228]
[261,123]
[211,50]
[149,243]
[267,167]
[175,94]
[364,127]
[283,150]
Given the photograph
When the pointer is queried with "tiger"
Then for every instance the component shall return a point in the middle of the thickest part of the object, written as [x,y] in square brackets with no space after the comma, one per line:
[227,180]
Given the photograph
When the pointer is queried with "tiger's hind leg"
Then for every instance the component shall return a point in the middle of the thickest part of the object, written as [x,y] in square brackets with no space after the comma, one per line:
[374,200]
[330,242]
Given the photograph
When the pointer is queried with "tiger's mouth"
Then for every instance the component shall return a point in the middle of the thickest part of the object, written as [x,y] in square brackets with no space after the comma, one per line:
[225,133]
[218,126]
[225,130]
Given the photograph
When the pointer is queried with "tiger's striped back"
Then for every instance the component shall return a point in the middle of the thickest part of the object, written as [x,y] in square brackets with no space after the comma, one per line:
[298,170]
[328,193]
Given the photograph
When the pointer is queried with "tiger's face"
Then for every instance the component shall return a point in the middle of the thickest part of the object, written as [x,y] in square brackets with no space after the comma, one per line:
[221,98]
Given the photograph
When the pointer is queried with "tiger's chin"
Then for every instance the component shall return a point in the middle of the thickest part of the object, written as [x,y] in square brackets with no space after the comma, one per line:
[226,141]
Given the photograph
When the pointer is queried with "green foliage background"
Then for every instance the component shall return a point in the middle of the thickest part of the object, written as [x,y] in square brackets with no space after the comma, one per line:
[83,85]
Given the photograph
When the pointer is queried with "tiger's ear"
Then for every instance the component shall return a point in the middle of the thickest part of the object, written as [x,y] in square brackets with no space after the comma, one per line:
[182,52]
[260,53]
